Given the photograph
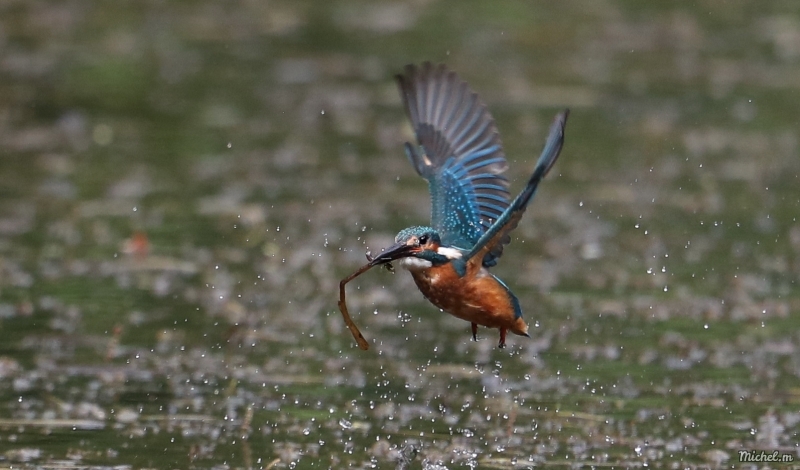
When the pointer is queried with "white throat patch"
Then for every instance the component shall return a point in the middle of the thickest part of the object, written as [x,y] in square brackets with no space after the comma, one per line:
[415,264]
[451,253]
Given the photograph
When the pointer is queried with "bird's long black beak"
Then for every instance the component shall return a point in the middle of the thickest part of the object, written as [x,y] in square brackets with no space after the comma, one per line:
[396,251]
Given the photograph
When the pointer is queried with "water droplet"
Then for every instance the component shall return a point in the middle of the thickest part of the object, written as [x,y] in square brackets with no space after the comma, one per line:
[345,424]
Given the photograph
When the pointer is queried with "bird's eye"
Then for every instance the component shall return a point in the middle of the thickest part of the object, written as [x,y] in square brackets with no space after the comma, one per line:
[423,239]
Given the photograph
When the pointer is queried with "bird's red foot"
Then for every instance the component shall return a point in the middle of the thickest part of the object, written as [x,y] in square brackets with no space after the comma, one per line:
[502,338]
[474,332]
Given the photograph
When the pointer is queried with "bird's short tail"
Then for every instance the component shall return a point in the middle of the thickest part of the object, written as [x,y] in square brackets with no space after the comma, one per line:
[520,327]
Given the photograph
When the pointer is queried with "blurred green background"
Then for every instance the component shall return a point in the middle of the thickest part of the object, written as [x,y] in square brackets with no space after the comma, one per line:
[183,185]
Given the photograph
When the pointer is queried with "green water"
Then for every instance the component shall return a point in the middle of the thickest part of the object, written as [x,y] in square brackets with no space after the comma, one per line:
[258,148]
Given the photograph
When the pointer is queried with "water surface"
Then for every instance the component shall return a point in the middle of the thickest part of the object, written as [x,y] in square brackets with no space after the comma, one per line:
[182,185]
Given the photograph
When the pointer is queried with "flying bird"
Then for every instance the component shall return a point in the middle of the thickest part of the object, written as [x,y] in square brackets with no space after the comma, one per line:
[459,153]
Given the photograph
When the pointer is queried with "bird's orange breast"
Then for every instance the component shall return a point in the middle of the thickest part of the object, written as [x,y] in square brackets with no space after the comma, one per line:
[476,297]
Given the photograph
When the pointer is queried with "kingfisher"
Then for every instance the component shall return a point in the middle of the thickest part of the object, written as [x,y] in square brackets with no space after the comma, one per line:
[459,153]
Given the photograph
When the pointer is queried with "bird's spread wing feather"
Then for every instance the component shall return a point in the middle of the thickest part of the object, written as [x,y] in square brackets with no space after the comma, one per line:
[498,233]
[459,153]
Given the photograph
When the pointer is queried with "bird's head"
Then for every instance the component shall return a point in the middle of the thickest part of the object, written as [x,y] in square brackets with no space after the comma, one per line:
[417,248]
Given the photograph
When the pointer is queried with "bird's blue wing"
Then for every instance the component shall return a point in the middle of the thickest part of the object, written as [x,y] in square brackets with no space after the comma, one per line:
[459,152]
[499,232]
